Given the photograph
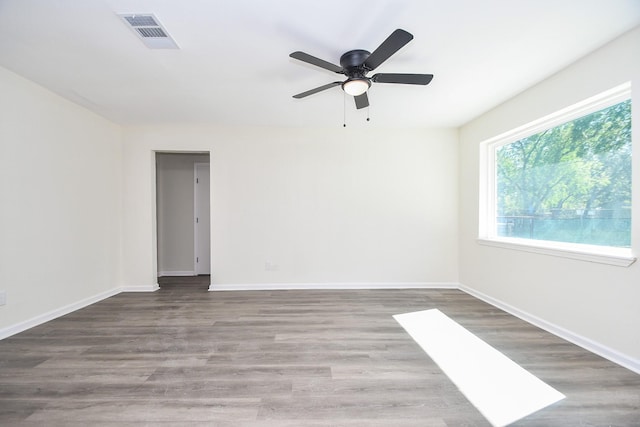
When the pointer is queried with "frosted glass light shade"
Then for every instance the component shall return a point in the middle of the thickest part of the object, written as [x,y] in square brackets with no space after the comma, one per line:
[356,87]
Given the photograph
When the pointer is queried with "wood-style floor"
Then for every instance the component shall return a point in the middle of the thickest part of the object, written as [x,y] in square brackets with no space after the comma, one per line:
[185,356]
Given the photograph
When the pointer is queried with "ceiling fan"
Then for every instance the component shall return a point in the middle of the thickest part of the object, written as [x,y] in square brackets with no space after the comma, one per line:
[355,64]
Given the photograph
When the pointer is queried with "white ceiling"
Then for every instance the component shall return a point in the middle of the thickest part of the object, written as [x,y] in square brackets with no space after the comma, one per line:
[233,66]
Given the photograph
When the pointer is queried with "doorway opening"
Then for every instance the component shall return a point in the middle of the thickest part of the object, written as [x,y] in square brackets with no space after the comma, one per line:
[183,216]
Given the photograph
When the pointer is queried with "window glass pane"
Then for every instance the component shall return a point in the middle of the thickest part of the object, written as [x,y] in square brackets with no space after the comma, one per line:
[570,183]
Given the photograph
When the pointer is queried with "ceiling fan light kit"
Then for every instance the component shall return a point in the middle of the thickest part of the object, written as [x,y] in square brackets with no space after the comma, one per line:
[355,64]
[356,87]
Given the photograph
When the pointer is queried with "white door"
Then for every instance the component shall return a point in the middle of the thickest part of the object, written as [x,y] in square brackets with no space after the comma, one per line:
[202,219]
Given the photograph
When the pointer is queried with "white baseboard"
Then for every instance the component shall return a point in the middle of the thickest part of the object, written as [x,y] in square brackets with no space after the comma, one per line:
[586,343]
[327,286]
[141,288]
[53,314]
[176,273]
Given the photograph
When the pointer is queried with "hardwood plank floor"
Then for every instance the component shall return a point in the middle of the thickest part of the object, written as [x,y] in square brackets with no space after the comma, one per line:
[185,356]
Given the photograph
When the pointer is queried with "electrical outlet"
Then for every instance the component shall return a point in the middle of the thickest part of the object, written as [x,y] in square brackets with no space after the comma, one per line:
[269,266]
[3,297]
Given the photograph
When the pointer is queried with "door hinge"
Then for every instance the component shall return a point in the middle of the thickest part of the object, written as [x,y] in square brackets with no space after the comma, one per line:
[197,220]
[197,259]
[197,181]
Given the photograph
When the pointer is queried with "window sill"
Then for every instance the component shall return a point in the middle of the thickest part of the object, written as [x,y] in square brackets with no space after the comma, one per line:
[621,257]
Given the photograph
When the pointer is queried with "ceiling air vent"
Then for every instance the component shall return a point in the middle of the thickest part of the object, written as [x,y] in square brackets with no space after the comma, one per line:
[150,31]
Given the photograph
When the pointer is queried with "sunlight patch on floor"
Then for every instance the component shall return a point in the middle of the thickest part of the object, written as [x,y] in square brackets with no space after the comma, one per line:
[499,388]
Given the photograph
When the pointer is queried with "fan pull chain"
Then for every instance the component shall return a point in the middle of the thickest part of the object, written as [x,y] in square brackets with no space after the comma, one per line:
[368,111]
[344,110]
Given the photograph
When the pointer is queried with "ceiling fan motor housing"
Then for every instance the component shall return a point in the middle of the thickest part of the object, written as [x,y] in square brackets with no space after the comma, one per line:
[353,63]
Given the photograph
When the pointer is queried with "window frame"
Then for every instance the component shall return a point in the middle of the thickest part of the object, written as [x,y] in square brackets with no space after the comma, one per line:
[487,227]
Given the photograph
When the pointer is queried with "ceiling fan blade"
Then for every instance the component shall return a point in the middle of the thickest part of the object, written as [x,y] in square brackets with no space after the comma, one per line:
[305,57]
[408,79]
[316,90]
[391,45]
[362,101]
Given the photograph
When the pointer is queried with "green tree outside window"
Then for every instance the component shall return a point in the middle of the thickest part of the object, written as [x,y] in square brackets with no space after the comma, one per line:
[570,183]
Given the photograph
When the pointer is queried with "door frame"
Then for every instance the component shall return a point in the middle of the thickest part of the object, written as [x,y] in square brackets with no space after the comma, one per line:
[154,203]
[195,215]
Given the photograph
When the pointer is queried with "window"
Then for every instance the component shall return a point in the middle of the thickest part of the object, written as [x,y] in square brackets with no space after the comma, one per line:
[564,182]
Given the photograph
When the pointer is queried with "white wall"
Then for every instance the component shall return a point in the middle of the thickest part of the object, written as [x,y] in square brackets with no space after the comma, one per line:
[597,302]
[60,187]
[320,205]
[175,204]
